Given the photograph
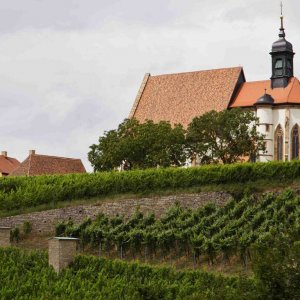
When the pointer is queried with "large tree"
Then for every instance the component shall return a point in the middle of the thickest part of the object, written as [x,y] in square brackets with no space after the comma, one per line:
[139,145]
[227,136]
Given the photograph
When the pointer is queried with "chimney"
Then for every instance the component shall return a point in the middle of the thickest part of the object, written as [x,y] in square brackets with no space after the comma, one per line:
[5,236]
[31,152]
[62,251]
[4,153]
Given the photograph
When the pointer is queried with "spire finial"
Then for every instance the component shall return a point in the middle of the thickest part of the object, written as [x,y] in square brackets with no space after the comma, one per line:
[281,33]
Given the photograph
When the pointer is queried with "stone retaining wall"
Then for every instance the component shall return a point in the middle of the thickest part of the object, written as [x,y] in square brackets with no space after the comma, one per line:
[43,223]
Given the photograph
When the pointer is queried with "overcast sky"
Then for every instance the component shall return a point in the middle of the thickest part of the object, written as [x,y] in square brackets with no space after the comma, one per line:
[70,69]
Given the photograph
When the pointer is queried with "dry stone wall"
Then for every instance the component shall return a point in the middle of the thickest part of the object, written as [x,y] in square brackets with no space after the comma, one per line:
[43,223]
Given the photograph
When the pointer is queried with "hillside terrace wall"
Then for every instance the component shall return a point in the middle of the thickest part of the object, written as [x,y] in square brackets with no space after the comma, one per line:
[43,223]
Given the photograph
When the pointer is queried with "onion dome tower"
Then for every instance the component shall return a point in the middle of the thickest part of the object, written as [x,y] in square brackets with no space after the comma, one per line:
[266,99]
[282,60]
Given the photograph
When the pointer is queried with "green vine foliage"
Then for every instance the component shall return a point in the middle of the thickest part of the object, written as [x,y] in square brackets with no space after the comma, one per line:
[26,275]
[212,232]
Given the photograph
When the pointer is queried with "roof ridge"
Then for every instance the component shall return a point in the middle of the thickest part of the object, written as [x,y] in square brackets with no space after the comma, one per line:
[9,159]
[53,156]
[139,95]
[200,71]
[237,86]
[255,81]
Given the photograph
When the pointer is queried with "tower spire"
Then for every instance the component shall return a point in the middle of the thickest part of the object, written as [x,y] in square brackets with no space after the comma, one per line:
[282,58]
[281,32]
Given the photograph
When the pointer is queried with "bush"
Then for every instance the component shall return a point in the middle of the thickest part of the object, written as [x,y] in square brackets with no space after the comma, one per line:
[27,227]
[277,266]
[15,235]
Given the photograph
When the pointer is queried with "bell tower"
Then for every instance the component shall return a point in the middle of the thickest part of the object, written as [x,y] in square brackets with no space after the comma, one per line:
[282,60]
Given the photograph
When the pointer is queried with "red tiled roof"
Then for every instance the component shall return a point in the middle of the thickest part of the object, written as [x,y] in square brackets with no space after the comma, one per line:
[36,164]
[8,164]
[179,98]
[250,92]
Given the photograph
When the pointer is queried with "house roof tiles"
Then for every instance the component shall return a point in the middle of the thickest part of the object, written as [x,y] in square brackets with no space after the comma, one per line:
[179,98]
[36,164]
[250,92]
[8,164]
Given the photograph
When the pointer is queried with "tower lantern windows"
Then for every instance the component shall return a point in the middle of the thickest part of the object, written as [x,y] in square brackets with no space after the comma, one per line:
[279,67]
[282,60]
[290,67]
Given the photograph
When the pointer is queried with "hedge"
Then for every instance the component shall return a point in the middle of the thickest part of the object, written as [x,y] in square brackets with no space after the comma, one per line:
[21,192]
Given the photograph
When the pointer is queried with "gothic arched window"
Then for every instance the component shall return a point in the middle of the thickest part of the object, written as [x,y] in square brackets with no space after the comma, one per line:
[295,142]
[278,151]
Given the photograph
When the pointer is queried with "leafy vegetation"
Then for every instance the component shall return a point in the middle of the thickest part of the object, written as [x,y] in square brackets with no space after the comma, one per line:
[225,136]
[138,146]
[276,263]
[213,232]
[228,136]
[26,192]
[27,276]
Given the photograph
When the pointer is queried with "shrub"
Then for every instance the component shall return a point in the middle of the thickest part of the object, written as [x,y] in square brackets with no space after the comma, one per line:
[27,227]
[15,235]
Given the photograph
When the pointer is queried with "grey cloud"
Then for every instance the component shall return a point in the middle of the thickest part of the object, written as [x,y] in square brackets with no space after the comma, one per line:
[77,14]
[69,70]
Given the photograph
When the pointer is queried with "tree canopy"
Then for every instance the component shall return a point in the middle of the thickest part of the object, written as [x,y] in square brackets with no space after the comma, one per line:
[138,145]
[227,136]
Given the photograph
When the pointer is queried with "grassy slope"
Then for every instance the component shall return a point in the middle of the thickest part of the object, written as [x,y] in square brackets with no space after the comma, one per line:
[237,190]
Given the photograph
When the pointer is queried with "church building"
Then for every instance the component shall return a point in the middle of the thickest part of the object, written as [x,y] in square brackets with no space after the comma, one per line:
[178,98]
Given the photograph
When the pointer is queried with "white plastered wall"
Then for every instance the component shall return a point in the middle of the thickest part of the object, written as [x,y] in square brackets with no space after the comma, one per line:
[273,117]
[265,115]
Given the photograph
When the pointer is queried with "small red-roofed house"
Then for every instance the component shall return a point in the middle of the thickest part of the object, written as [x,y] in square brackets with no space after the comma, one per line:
[37,164]
[7,164]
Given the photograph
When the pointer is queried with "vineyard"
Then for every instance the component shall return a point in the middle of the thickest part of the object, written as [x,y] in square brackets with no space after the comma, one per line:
[214,233]
[27,276]
[27,192]
[258,233]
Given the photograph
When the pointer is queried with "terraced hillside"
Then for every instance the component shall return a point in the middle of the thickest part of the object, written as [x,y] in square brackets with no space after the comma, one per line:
[217,233]
[27,276]
[259,233]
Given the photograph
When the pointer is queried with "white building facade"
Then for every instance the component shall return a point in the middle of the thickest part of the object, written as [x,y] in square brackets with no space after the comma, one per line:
[281,129]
